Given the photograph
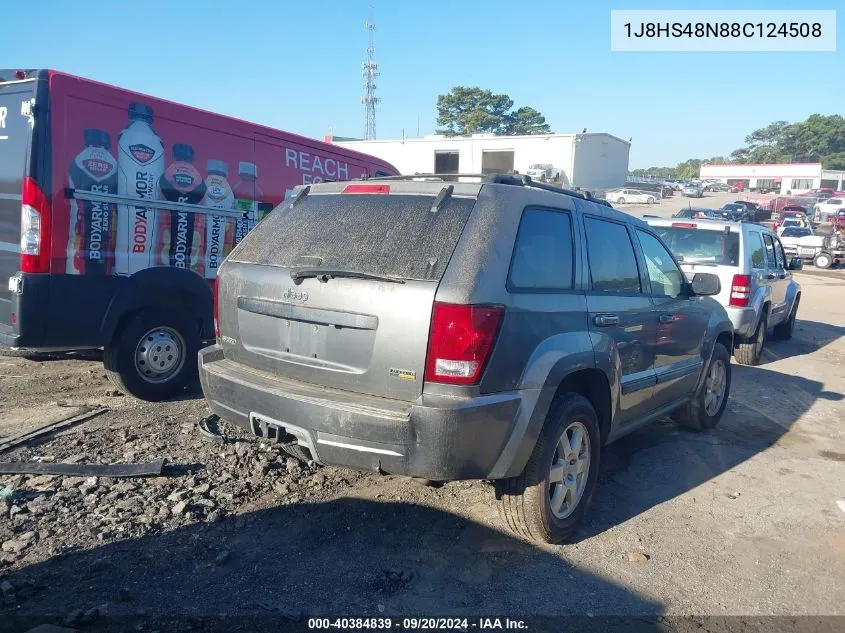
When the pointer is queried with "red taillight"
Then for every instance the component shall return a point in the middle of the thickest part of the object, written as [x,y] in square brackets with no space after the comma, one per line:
[460,341]
[377,189]
[740,291]
[684,225]
[215,299]
[35,228]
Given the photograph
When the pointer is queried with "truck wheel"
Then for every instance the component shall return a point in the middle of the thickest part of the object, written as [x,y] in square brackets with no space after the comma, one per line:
[547,501]
[783,330]
[706,408]
[823,260]
[749,350]
[154,356]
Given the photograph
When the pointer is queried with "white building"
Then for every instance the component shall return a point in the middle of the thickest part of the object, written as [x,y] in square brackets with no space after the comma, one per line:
[779,177]
[589,161]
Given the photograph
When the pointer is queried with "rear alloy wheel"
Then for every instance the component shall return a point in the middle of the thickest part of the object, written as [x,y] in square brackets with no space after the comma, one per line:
[823,260]
[706,408]
[650,200]
[547,501]
[620,200]
[749,350]
[154,356]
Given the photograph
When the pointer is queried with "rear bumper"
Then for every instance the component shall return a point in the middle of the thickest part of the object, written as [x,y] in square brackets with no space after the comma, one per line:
[436,437]
[744,320]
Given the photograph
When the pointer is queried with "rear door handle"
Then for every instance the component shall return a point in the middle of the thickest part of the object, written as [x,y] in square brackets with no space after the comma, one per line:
[668,318]
[604,320]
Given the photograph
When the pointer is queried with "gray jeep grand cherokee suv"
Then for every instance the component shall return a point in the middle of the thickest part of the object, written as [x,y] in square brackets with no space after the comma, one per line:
[500,330]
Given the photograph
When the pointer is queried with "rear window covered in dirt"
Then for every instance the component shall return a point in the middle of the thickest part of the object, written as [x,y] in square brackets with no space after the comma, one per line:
[393,235]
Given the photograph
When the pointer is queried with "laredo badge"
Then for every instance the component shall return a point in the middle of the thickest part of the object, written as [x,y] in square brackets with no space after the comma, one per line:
[403,374]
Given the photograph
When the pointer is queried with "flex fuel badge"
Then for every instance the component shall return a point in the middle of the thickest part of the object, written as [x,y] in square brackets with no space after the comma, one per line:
[403,374]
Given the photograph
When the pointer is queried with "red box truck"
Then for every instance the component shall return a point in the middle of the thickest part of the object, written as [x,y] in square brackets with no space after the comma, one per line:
[116,209]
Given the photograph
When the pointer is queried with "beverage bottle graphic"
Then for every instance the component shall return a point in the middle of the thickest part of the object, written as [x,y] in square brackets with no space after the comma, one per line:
[91,238]
[140,165]
[181,233]
[247,197]
[219,229]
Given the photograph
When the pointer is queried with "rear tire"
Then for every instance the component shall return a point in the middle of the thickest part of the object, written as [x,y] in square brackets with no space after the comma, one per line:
[526,501]
[708,405]
[154,357]
[620,200]
[749,350]
[650,201]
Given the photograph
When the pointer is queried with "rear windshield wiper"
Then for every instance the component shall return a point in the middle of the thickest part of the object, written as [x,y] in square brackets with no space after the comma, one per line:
[324,274]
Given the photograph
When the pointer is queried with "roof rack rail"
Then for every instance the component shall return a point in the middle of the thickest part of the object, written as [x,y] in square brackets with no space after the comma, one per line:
[520,180]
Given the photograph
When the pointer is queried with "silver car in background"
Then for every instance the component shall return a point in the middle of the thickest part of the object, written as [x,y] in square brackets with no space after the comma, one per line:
[758,290]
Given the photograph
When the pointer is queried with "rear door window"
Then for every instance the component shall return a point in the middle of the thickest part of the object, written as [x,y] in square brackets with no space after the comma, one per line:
[755,247]
[393,235]
[542,255]
[613,264]
[771,262]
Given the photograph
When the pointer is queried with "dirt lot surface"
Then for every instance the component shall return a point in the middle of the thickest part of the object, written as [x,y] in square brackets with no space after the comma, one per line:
[747,519]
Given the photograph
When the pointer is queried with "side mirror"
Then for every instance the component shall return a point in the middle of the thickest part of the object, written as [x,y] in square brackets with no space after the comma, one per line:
[706,284]
[796,263]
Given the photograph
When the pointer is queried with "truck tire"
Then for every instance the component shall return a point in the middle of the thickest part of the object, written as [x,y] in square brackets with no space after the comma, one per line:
[706,408]
[749,350]
[783,330]
[823,260]
[154,356]
[547,501]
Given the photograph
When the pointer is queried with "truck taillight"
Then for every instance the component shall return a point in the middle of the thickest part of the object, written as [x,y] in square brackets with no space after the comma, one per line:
[460,342]
[35,228]
[216,296]
[740,291]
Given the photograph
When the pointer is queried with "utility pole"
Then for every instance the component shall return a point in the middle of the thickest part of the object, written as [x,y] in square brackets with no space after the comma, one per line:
[369,72]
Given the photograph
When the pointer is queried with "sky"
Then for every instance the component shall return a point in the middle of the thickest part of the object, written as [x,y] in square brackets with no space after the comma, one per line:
[296,65]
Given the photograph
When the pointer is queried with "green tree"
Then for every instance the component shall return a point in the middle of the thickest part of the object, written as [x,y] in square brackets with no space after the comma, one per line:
[470,110]
[525,121]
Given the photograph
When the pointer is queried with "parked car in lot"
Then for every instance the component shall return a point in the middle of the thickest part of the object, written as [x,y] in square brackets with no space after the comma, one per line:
[758,290]
[544,172]
[621,196]
[497,330]
[793,223]
[823,250]
[693,191]
[737,212]
[790,213]
[754,212]
[826,208]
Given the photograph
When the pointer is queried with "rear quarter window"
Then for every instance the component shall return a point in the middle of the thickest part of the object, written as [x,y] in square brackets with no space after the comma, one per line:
[543,253]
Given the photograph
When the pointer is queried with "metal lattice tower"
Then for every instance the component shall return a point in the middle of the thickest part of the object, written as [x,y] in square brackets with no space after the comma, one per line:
[369,72]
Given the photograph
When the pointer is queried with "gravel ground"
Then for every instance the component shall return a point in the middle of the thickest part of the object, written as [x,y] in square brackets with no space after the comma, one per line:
[743,520]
